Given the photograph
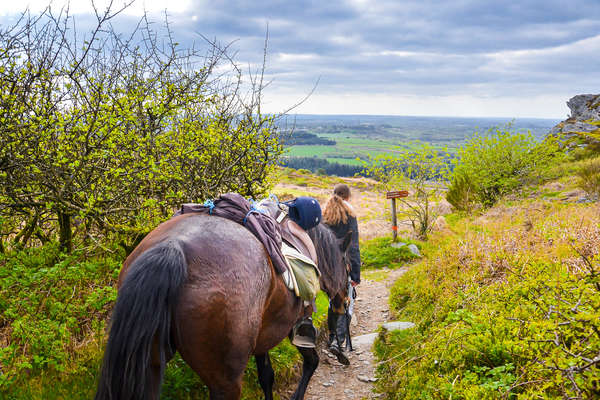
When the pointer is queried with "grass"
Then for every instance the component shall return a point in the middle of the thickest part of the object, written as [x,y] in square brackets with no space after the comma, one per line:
[505,306]
[378,253]
[348,161]
[375,275]
[350,146]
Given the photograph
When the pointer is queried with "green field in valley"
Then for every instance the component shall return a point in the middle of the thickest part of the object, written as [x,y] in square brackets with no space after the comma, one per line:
[361,136]
[349,147]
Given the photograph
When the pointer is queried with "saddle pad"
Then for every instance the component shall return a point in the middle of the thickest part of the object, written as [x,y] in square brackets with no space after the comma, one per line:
[305,274]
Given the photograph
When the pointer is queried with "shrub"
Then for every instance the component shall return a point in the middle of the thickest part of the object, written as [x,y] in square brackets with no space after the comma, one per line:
[461,193]
[589,177]
[501,312]
[496,164]
[49,304]
[109,135]
[422,172]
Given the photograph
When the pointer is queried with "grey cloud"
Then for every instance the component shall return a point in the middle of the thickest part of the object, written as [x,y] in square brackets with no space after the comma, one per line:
[412,46]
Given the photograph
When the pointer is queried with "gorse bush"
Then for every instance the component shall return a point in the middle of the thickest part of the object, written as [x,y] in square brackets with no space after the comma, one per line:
[502,311]
[102,136]
[461,193]
[493,165]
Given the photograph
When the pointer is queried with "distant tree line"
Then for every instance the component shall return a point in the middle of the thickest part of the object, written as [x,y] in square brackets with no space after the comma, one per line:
[322,166]
[302,137]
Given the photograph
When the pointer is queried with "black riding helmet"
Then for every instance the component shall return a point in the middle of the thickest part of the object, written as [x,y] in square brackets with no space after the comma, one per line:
[305,211]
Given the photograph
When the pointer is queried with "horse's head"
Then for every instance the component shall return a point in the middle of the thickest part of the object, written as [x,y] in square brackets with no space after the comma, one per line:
[333,264]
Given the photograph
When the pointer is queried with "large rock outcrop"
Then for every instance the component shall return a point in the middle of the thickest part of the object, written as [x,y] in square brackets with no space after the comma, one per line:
[584,119]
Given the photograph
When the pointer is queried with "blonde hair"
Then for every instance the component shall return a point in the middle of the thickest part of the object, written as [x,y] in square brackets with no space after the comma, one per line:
[336,211]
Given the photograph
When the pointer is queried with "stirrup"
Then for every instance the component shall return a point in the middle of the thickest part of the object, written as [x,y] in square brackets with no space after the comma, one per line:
[305,334]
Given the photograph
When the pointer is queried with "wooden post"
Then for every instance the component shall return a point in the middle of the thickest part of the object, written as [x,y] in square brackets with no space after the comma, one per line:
[395,195]
[394,222]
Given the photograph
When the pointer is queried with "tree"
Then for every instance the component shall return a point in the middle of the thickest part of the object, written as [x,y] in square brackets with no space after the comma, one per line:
[422,172]
[108,133]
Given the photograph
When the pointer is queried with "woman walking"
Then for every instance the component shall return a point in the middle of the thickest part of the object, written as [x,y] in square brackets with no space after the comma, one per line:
[341,218]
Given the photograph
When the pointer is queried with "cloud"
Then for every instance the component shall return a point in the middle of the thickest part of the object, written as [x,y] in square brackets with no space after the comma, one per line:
[464,50]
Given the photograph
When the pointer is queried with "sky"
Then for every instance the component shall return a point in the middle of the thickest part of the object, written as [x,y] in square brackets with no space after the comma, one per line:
[471,58]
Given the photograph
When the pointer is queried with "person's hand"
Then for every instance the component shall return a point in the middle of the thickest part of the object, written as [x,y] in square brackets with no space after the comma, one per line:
[354,284]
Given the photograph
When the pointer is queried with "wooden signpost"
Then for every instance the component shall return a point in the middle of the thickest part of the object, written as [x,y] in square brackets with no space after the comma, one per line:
[393,196]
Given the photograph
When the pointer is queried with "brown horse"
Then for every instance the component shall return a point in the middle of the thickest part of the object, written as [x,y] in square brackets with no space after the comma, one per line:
[205,286]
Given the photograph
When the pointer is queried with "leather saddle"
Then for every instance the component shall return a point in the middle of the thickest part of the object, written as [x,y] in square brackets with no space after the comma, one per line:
[291,232]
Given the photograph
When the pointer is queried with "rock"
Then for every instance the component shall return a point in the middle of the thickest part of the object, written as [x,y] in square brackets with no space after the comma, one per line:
[364,340]
[584,108]
[573,196]
[398,325]
[364,378]
[414,249]
[326,384]
[443,207]
[440,223]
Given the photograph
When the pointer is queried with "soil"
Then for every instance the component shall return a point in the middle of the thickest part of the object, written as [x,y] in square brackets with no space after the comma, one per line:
[333,380]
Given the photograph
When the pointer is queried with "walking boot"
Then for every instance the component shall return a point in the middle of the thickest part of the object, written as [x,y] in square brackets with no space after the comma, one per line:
[336,348]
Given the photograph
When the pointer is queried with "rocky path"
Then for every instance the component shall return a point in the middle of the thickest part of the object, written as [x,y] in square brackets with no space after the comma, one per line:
[355,381]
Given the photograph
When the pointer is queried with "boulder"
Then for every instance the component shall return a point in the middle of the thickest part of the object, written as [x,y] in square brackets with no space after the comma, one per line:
[574,196]
[584,108]
[414,249]
[398,325]
[411,247]
[443,207]
[440,223]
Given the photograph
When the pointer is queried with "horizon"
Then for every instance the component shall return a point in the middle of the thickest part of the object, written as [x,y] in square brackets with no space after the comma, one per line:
[422,116]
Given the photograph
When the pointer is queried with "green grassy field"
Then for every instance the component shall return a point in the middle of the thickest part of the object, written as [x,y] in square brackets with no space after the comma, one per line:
[350,146]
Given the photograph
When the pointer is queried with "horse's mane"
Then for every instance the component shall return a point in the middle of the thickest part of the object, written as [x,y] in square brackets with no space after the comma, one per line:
[334,278]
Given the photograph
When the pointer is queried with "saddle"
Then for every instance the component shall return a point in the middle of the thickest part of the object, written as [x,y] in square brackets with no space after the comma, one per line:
[291,232]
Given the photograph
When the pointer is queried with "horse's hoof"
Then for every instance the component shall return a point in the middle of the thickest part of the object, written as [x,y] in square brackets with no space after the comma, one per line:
[341,357]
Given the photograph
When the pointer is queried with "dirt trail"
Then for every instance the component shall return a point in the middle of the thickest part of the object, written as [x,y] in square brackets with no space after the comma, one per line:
[332,380]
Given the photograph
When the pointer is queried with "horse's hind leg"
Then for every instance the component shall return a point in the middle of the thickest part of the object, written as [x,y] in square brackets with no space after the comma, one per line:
[224,382]
[266,376]
[309,365]
[229,392]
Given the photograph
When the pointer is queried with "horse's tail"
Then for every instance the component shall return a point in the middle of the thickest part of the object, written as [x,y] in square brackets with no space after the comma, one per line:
[141,319]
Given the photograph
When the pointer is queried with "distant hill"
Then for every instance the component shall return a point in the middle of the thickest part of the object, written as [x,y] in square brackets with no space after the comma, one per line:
[343,139]
[433,129]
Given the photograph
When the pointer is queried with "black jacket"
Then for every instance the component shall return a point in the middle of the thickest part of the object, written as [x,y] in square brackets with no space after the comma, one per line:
[340,231]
